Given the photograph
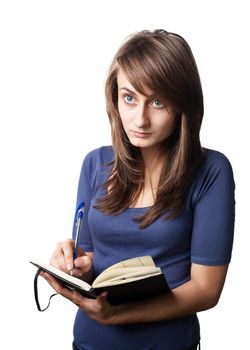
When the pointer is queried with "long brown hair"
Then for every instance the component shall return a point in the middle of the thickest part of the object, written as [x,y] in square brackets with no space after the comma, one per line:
[163,62]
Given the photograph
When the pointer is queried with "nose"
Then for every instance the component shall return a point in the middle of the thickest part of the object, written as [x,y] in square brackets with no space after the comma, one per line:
[141,117]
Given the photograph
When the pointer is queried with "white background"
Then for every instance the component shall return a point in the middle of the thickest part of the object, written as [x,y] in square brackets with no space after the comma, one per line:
[53,61]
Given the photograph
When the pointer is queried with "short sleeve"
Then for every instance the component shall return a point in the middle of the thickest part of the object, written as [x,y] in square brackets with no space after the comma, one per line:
[214,212]
[84,194]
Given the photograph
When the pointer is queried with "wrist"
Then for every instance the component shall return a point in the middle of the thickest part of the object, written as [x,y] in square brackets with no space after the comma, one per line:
[116,317]
[122,314]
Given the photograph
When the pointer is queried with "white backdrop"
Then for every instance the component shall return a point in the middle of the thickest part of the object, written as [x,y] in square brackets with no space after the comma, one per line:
[53,61]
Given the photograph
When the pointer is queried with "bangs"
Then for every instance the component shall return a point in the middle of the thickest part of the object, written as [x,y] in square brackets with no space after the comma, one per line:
[142,72]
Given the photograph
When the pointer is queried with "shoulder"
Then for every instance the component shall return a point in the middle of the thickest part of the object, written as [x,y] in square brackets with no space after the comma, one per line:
[215,175]
[95,166]
[99,156]
[213,164]
[212,158]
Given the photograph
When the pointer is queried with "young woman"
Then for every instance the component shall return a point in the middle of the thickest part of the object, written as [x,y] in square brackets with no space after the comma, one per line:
[155,192]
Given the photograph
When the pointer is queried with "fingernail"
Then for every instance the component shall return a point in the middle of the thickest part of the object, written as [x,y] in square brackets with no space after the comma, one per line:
[68,267]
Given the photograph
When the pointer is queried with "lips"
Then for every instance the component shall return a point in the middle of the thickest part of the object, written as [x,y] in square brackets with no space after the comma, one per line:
[141,135]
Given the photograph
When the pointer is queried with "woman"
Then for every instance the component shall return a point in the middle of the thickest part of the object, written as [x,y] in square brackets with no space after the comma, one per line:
[155,192]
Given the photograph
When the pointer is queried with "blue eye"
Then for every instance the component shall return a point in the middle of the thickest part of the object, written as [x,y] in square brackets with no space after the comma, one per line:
[158,103]
[128,99]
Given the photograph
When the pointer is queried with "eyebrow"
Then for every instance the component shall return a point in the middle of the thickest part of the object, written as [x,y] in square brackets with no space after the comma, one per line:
[134,92]
[124,88]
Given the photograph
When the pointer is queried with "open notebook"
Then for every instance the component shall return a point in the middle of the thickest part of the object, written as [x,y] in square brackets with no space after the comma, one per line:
[129,280]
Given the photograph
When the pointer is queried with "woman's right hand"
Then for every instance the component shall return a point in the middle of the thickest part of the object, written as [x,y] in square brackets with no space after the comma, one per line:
[62,258]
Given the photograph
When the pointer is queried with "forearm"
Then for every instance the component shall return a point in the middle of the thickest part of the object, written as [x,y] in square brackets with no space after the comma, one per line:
[185,300]
[200,293]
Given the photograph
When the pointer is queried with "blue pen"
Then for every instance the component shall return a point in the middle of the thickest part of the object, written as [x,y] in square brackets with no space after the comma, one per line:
[77,225]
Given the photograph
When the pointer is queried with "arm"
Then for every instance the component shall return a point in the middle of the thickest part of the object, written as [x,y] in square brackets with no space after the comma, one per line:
[62,257]
[211,245]
[200,293]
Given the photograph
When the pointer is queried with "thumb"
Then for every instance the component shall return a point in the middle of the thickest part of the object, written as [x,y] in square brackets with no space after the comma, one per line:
[83,262]
[102,297]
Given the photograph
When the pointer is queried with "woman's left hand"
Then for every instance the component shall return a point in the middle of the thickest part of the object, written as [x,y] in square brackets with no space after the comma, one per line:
[98,309]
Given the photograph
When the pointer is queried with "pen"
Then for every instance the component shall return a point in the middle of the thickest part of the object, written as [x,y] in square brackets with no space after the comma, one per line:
[78,221]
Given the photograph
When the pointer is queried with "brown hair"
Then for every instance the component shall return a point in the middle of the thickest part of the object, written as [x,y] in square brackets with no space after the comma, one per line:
[163,62]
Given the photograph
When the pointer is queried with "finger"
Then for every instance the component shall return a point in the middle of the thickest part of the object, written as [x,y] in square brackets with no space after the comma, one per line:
[83,263]
[52,281]
[102,297]
[57,258]
[67,249]
[77,298]
[57,285]
[77,273]
[71,295]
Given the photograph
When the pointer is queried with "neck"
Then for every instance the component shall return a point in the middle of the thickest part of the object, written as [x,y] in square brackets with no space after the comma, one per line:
[151,157]
[153,163]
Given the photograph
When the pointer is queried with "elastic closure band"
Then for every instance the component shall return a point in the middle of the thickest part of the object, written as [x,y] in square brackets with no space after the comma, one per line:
[36,293]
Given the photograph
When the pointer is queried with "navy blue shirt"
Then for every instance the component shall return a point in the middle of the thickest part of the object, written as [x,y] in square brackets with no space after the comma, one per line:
[202,233]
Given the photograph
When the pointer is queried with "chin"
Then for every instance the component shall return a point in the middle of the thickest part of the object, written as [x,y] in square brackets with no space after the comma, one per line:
[141,144]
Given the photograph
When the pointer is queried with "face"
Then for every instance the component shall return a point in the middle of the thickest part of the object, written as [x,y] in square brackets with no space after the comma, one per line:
[147,120]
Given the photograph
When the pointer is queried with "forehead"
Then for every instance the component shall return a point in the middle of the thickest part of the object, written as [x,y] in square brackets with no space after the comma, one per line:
[123,82]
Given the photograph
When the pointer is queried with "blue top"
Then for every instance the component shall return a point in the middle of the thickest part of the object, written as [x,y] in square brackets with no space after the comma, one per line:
[201,234]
